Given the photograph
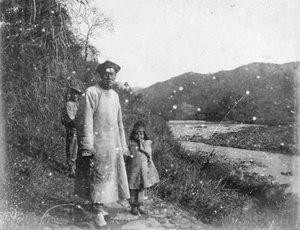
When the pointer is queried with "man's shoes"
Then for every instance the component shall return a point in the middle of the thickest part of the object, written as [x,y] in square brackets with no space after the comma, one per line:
[99,220]
[105,227]
[134,211]
[72,171]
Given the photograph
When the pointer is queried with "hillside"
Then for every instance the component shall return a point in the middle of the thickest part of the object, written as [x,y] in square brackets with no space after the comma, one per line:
[266,92]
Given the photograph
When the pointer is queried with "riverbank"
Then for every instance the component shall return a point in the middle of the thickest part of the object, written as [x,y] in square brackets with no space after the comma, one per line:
[284,169]
[268,150]
[275,139]
[268,204]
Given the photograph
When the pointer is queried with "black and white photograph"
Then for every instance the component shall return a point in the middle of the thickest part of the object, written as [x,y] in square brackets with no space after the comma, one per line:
[149,115]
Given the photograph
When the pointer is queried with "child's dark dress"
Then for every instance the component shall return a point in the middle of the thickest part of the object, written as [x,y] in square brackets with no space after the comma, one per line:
[141,171]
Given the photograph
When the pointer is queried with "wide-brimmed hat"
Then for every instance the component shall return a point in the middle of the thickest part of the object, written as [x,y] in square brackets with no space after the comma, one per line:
[76,88]
[106,66]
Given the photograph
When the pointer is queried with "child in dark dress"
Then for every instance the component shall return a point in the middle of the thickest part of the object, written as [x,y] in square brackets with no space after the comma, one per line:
[141,171]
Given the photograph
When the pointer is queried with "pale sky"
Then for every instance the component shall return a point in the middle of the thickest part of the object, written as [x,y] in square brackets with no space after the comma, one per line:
[155,40]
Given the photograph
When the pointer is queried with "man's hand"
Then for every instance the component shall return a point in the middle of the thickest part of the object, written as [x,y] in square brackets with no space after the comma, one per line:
[86,153]
[126,154]
[86,159]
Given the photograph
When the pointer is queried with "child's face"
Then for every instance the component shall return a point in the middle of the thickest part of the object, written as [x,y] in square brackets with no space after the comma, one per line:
[139,134]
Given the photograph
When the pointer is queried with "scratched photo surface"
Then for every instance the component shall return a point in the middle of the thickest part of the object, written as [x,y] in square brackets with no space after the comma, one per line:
[213,85]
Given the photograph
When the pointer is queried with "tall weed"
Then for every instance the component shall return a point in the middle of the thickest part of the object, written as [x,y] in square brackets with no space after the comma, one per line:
[218,192]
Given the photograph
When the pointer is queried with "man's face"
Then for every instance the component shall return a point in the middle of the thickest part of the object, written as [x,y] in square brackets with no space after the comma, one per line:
[108,78]
[77,97]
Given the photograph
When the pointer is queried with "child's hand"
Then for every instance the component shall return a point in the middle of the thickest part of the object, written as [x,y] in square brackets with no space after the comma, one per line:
[140,143]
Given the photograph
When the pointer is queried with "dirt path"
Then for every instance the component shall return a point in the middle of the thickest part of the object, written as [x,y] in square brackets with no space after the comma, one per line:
[284,168]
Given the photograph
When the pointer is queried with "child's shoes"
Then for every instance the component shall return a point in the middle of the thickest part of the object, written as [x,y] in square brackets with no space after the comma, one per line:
[134,210]
[142,210]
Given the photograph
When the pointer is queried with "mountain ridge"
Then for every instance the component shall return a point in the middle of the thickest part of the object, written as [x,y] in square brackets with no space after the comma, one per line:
[213,94]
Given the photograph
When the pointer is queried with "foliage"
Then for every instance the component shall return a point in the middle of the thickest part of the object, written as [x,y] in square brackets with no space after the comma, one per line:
[41,58]
[35,40]
[87,22]
[217,191]
[267,93]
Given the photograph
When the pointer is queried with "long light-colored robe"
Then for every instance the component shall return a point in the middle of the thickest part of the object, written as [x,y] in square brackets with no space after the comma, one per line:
[100,129]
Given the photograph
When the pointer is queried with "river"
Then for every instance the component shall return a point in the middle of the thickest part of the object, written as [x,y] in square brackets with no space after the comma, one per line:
[284,168]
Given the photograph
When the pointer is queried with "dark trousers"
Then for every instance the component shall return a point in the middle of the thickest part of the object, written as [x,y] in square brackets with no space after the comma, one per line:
[71,146]
[137,197]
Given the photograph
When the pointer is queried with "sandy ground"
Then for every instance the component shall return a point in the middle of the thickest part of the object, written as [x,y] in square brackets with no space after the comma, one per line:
[285,169]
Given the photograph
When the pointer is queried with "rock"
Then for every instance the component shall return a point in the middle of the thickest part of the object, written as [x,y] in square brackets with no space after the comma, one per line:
[198,227]
[159,215]
[86,225]
[167,224]
[150,224]
[287,173]
[162,220]
[156,212]
[72,227]
[184,223]
[178,216]
[163,211]
[193,219]
[125,216]
[124,203]
[47,228]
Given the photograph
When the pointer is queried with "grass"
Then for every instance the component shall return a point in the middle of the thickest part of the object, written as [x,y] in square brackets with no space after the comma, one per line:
[211,187]
[218,193]
[214,189]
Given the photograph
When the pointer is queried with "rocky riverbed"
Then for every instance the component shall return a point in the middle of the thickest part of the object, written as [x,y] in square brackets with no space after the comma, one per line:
[283,168]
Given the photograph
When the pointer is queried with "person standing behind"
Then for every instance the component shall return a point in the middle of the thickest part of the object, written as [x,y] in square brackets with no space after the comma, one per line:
[100,174]
[68,120]
[141,171]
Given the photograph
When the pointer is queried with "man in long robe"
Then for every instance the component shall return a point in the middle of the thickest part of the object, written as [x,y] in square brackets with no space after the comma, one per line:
[100,169]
